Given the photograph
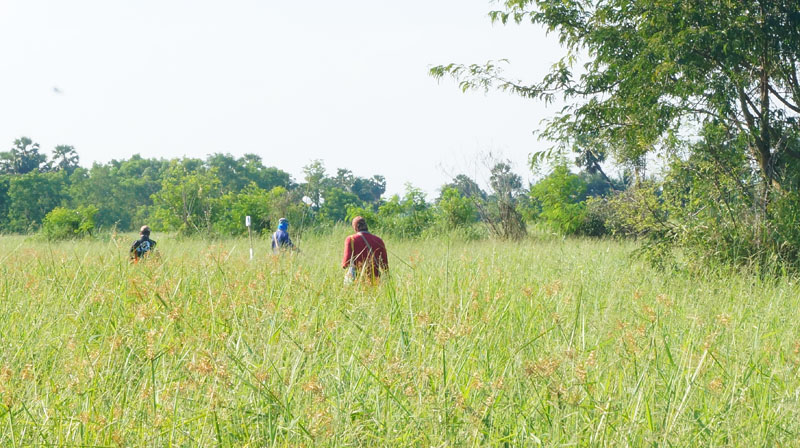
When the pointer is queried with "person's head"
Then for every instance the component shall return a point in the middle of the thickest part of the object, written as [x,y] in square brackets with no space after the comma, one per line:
[359,224]
[283,224]
[144,231]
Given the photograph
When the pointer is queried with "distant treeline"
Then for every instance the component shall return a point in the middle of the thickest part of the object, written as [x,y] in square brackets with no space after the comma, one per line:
[212,196]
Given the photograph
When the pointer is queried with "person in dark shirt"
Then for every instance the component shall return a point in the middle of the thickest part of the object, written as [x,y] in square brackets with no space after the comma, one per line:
[280,239]
[143,246]
[364,253]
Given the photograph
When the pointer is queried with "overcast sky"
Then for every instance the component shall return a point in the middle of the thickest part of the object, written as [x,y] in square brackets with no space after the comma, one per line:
[291,81]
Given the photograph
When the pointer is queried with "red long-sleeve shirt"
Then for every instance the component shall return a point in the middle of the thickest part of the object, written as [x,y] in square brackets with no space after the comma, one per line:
[356,247]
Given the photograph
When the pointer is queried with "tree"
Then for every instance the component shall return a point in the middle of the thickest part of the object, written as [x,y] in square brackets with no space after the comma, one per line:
[188,199]
[505,183]
[31,196]
[265,177]
[4,201]
[455,210]
[343,180]
[465,186]
[561,195]
[658,70]
[370,189]
[502,215]
[121,190]
[23,158]
[229,171]
[65,158]
[251,201]
[337,201]
[408,216]
[315,180]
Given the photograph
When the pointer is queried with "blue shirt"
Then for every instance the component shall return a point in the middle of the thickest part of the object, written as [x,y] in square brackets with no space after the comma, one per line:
[281,240]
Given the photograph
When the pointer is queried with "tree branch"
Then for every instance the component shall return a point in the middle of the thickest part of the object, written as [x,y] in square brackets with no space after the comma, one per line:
[783,100]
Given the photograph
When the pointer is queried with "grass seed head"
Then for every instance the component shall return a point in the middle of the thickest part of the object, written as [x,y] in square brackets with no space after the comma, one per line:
[649,313]
[580,372]
[543,368]
[314,387]
[553,288]
[5,375]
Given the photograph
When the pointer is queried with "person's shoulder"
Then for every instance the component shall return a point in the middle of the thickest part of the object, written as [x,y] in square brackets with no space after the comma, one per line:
[376,238]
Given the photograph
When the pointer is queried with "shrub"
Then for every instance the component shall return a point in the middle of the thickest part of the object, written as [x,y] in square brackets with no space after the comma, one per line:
[562,195]
[264,207]
[455,210]
[64,223]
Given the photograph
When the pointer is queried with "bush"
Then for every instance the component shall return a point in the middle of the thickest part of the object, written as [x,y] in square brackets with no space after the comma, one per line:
[64,223]
[264,207]
[455,210]
[405,217]
[595,217]
[562,195]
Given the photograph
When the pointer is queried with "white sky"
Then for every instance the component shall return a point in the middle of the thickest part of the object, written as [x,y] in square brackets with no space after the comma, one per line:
[292,81]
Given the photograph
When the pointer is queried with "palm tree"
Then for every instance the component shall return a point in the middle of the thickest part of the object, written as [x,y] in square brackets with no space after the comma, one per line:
[65,158]
[23,158]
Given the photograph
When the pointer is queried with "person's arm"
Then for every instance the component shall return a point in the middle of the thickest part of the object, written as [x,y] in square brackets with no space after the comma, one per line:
[134,246]
[153,244]
[347,253]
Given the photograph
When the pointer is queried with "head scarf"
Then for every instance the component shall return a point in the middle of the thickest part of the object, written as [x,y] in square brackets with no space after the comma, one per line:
[359,224]
[283,224]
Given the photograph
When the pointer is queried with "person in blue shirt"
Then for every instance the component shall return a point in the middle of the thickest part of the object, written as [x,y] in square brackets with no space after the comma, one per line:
[280,239]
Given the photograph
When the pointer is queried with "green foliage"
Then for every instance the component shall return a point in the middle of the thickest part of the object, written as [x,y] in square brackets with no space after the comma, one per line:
[656,74]
[264,207]
[500,209]
[711,208]
[237,174]
[23,158]
[466,187]
[121,190]
[369,190]
[455,210]
[656,70]
[64,223]
[314,185]
[213,195]
[252,201]
[404,217]
[562,195]
[408,216]
[65,158]
[337,201]
[5,201]
[188,200]
[31,196]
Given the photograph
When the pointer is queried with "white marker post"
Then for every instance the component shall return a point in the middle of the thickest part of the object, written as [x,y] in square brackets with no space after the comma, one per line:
[247,222]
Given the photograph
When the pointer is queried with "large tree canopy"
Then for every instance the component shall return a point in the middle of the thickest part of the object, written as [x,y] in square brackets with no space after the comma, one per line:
[659,71]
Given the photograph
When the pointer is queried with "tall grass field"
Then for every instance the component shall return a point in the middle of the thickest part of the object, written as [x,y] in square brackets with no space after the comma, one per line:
[545,342]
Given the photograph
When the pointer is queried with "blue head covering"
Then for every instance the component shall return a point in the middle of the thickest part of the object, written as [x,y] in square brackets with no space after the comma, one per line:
[283,224]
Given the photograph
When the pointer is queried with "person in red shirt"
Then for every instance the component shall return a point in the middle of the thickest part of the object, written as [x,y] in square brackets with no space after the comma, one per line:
[364,253]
